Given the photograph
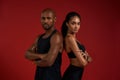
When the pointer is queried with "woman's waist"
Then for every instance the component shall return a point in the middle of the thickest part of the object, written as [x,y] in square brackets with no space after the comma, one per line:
[75,62]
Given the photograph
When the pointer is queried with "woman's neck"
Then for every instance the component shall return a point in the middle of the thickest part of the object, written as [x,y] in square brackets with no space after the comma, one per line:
[71,34]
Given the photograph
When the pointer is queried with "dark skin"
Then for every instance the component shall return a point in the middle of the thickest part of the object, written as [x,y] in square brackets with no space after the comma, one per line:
[48,20]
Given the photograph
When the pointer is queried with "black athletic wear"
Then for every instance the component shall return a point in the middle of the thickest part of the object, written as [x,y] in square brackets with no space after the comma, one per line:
[81,47]
[47,73]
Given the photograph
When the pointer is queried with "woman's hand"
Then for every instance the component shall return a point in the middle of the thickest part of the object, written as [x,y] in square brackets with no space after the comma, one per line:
[89,59]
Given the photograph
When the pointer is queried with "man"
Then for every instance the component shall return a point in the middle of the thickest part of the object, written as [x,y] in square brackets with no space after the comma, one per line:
[47,49]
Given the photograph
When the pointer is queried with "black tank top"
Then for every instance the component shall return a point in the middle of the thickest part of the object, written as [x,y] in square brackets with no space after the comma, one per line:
[52,72]
[81,47]
[43,46]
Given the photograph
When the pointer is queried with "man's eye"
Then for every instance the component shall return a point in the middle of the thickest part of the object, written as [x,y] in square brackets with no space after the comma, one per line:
[43,18]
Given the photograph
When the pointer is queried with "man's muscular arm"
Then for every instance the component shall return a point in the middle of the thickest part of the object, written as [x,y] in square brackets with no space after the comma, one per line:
[31,52]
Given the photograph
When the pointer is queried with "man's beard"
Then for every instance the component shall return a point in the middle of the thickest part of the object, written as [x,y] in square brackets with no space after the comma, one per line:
[47,27]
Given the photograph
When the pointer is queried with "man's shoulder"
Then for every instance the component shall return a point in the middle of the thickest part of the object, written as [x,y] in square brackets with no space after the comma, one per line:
[57,35]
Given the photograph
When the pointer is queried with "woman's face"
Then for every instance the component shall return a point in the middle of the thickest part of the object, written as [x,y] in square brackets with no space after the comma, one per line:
[73,24]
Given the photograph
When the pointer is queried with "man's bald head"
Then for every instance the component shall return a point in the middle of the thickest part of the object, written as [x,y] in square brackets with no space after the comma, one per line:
[48,10]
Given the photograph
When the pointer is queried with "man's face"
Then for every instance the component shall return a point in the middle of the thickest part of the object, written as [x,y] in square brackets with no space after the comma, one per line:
[47,20]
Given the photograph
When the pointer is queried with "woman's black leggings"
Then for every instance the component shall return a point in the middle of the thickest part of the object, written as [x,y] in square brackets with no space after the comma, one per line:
[73,73]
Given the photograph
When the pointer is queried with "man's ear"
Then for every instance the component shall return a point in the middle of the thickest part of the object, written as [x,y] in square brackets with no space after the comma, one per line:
[55,19]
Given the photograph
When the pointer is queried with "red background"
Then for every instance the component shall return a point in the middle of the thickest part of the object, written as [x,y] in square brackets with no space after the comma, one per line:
[100,29]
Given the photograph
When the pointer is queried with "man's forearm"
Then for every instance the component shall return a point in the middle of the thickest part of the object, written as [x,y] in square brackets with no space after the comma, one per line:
[32,56]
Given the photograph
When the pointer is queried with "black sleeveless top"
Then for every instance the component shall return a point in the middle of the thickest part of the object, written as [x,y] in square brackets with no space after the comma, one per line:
[52,72]
[81,47]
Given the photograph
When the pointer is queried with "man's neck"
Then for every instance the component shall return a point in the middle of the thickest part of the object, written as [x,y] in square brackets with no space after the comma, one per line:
[49,32]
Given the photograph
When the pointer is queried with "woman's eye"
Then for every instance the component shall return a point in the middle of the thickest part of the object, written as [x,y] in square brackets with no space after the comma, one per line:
[72,23]
[78,23]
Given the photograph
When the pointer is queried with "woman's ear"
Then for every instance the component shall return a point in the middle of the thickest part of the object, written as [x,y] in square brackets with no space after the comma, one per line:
[66,23]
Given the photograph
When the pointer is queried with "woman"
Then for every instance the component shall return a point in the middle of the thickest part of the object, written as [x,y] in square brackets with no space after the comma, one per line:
[77,54]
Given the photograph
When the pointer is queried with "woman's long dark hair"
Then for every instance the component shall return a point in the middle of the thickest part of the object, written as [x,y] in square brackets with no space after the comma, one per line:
[64,28]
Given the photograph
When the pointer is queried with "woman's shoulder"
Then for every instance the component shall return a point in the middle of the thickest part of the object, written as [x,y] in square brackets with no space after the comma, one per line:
[69,38]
